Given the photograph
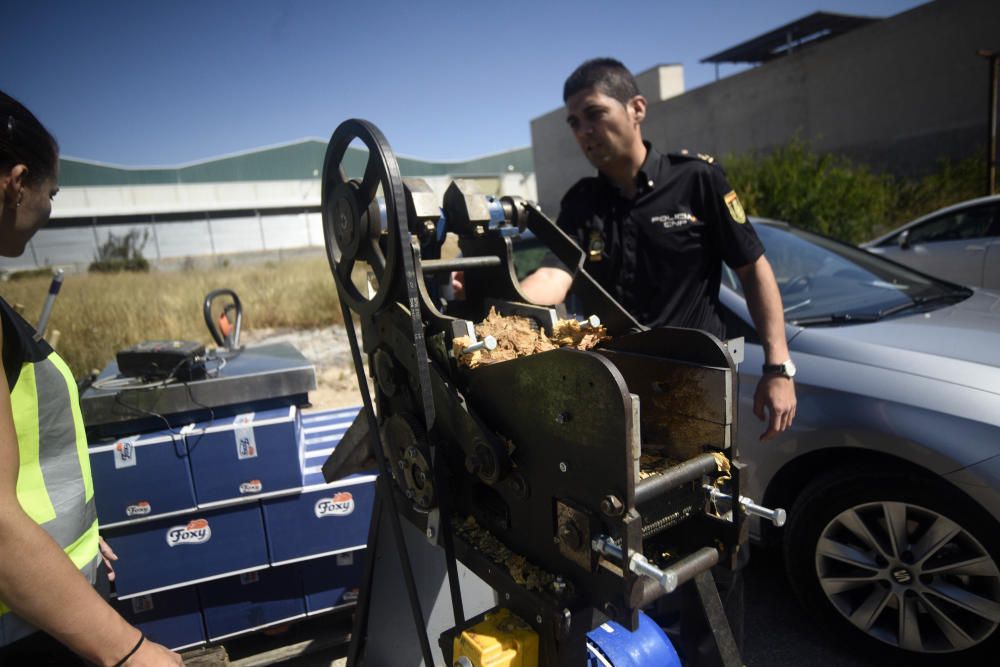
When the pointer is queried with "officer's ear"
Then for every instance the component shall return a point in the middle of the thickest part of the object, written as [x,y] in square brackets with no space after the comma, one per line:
[637,108]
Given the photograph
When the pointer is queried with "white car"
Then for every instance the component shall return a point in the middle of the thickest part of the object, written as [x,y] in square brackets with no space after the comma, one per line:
[960,243]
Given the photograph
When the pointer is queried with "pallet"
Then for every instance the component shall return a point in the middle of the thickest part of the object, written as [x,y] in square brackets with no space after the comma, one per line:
[320,640]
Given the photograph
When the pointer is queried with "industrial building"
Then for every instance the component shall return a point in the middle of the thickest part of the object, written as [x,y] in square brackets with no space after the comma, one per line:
[257,201]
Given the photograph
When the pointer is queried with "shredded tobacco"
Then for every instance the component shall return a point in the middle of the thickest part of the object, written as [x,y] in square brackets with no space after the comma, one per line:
[521,571]
[521,337]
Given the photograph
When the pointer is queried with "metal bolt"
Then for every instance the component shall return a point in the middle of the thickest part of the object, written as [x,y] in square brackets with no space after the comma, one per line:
[487,343]
[591,322]
[506,596]
[558,586]
[411,452]
[563,467]
[409,494]
[538,619]
[402,465]
[612,506]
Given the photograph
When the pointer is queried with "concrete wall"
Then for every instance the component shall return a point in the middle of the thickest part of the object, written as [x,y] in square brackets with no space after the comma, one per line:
[900,94]
[197,226]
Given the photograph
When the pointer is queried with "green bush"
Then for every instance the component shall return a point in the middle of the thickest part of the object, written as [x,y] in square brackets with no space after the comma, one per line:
[121,253]
[139,264]
[833,195]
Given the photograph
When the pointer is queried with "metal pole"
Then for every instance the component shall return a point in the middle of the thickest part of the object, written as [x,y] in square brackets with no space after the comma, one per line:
[991,128]
[211,239]
[43,321]
[156,237]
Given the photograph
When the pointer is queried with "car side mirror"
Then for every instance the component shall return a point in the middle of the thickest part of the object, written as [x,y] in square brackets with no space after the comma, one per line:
[903,239]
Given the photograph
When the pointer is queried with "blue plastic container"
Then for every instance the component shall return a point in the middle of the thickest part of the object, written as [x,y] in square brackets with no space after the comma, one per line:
[648,646]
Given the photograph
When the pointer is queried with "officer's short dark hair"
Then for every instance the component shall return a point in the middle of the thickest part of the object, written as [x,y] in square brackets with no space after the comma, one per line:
[607,75]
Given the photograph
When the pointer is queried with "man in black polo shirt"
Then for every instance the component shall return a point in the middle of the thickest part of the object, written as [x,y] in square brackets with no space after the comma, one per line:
[657,229]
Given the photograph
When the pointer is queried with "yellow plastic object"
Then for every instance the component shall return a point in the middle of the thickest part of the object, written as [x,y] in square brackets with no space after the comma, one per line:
[500,640]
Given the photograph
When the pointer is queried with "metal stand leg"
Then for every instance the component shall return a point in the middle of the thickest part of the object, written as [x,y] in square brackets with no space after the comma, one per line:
[702,595]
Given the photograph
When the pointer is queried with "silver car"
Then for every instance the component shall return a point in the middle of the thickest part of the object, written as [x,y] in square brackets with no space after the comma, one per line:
[891,472]
[959,243]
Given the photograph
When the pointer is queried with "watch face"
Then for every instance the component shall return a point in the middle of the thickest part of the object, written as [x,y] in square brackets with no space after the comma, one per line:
[789,369]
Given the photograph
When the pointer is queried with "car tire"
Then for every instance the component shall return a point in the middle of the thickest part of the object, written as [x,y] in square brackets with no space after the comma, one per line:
[933,597]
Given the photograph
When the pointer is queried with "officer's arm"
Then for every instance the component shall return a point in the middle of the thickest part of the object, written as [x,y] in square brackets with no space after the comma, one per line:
[764,303]
[547,286]
[41,584]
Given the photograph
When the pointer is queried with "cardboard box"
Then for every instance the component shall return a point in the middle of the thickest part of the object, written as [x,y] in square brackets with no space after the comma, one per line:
[332,582]
[177,551]
[251,455]
[322,521]
[251,601]
[172,618]
[141,477]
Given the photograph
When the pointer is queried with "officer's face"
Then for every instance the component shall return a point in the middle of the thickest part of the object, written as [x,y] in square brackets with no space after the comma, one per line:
[606,130]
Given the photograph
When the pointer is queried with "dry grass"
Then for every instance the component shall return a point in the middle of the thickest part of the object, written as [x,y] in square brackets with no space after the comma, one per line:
[99,314]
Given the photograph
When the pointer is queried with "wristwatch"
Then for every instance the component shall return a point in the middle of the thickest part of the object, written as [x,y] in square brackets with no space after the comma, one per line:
[786,369]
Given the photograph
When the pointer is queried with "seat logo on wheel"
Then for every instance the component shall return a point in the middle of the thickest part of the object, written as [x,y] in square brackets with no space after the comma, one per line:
[902,576]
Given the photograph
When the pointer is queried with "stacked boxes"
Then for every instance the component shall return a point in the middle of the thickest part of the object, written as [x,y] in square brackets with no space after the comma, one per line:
[202,518]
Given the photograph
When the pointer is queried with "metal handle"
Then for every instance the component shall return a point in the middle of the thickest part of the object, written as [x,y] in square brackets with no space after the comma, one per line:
[637,563]
[231,340]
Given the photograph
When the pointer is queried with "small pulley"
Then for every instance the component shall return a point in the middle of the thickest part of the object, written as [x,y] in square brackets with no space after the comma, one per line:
[360,228]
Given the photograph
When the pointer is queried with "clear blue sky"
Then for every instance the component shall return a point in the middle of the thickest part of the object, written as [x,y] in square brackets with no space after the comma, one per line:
[144,82]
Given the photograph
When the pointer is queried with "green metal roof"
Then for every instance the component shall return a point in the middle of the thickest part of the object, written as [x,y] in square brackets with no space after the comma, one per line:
[298,161]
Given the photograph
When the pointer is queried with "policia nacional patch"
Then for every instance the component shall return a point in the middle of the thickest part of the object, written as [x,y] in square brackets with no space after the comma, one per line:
[735,207]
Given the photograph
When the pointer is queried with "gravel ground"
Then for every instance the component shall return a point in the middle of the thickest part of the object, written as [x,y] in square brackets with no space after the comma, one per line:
[327,348]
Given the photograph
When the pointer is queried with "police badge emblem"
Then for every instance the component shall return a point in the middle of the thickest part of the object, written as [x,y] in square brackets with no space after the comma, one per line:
[595,251]
[735,207]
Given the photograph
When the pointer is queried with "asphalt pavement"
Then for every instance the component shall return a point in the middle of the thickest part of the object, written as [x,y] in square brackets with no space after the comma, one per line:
[780,633]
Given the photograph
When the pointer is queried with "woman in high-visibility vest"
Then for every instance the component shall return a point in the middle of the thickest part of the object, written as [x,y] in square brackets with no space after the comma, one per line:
[48,527]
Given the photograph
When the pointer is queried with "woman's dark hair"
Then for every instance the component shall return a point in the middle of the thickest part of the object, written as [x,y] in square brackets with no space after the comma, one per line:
[24,140]
[607,75]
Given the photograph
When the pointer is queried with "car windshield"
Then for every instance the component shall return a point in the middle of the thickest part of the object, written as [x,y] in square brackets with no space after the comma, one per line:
[826,281]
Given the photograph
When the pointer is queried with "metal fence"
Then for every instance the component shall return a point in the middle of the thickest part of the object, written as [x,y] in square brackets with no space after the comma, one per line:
[77,246]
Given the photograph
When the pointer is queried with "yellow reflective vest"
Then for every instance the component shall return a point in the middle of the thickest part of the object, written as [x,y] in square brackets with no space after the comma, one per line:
[54,485]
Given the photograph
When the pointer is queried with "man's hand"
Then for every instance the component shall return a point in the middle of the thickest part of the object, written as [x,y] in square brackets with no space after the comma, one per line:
[107,555]
[777,394]
[458,285]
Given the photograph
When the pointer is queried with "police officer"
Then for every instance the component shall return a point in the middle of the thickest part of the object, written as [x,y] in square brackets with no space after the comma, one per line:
[657,229]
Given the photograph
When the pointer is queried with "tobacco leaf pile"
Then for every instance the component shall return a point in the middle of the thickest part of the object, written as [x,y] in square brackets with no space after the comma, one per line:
[521,337]
[521,571]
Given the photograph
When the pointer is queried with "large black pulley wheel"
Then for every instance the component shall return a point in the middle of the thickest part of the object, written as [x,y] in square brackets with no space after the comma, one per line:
[904,561]
[360,226]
